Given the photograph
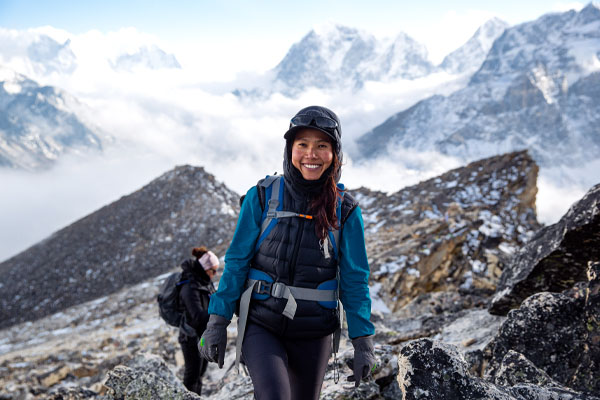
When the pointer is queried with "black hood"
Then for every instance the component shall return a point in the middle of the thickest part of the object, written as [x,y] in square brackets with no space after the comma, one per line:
[193,270]
[335,135]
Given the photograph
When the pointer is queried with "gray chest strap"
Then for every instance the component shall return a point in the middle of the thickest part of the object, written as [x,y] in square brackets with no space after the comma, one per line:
[280,291]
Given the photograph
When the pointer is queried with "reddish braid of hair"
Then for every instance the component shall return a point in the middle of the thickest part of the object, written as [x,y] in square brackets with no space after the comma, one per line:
[323,207]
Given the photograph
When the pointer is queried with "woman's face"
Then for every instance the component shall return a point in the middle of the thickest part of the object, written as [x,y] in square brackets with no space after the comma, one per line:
[211,272]
[312,153]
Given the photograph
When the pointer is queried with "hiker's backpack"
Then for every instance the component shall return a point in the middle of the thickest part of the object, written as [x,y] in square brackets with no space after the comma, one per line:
[168,300]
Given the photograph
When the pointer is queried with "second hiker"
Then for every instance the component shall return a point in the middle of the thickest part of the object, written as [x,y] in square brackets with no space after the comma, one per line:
[194,296]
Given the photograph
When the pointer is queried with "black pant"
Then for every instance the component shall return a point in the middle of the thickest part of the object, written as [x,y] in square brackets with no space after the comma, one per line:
[285,368]
[195,366]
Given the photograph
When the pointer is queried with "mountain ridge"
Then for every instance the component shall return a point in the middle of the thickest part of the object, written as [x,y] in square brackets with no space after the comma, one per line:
[519,98]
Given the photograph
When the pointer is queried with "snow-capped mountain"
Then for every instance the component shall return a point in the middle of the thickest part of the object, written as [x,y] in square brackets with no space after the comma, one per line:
[32,52]
[37,123]
[41,52]
[49,56]
[341,56]
[538,89]
[470,56]
[150,57]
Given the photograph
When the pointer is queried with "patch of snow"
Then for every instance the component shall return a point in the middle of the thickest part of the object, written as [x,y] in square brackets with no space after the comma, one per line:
[377,304]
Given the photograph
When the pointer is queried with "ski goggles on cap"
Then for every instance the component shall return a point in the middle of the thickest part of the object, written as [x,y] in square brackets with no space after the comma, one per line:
[312,120]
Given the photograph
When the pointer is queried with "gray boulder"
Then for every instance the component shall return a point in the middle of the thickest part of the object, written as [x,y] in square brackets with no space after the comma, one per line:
[429,369]
[516,369]
[559,333]
[148,377]
[555,258]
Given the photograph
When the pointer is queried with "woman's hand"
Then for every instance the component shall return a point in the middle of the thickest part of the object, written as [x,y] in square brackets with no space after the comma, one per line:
[214,339]
[364,358]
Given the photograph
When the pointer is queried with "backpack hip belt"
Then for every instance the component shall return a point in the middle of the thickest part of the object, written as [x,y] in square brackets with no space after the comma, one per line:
[279,290]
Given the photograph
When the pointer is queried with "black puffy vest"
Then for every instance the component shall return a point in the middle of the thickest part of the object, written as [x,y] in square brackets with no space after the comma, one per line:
[291,254]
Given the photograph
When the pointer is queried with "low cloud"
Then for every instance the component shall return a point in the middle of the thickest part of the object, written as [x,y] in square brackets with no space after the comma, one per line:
[160,119]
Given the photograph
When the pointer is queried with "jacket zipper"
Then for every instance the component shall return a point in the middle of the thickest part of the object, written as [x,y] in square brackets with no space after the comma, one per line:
[295,252]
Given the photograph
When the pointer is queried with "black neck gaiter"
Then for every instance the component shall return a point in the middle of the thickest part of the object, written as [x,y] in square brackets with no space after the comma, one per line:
[303,186]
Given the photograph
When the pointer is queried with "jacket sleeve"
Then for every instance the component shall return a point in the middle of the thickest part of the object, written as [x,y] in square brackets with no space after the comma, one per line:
[196,315]
[354,276]
[238,257]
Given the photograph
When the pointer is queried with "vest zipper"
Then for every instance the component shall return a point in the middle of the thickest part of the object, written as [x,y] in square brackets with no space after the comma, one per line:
[295,252]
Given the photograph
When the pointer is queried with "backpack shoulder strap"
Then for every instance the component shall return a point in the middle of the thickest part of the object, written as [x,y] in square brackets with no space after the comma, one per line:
[334,234]
[270,190]
[348,205]
[272,187]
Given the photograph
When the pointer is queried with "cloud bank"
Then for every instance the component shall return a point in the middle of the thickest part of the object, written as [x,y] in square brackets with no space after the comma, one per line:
[168,117]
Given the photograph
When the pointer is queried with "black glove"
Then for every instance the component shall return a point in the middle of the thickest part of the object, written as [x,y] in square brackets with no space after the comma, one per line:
[364,358]
[214,339]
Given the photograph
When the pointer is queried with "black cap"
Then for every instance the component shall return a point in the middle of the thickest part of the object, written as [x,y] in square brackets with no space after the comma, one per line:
[335,134]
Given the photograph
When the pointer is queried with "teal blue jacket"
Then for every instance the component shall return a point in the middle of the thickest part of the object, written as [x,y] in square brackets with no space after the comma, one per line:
[354,267]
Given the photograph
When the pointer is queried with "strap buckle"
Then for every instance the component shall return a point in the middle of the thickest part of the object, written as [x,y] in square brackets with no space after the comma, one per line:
[278,290]
[263,287]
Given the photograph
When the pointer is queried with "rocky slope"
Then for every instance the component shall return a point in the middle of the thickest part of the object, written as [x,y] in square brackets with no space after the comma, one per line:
[443,343]
[537,89]
[138,236]
[452,232]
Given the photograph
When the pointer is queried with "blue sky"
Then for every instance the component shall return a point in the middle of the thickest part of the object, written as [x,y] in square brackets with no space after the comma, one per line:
[268,28]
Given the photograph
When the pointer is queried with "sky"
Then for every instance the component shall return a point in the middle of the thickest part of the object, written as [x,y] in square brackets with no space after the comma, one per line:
[223,33]
[161,119]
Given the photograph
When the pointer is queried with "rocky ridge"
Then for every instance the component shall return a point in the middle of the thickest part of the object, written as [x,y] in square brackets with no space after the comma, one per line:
[138,236]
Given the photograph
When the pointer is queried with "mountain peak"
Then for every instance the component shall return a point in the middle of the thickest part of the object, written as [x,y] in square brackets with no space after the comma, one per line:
[143,234]
[590,13]
[333,29]
[337,56]
[150,57]
[471,55]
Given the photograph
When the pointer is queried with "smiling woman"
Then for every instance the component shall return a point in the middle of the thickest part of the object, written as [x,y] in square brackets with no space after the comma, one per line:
[290,270]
